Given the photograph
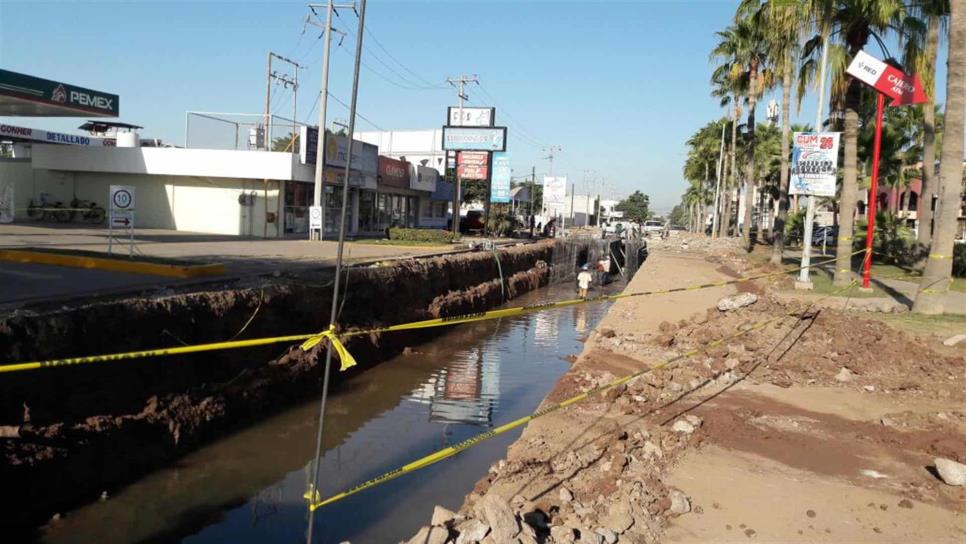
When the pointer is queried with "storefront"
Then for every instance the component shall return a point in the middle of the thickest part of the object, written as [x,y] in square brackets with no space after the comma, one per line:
[393,204]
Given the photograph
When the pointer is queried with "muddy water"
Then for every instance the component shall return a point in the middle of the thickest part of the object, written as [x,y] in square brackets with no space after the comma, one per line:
[248,487]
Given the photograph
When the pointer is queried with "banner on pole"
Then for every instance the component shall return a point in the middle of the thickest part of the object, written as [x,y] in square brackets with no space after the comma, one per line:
[500,183]
[554,191]
[814,167]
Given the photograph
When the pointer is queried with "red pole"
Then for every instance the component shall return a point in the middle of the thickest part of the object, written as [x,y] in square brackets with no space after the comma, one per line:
[873,191]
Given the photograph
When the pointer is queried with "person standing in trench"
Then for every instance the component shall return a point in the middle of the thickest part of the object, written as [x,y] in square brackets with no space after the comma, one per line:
[583,281]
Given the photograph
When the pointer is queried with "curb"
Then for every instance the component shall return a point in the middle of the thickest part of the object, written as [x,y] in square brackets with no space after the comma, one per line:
[114,265]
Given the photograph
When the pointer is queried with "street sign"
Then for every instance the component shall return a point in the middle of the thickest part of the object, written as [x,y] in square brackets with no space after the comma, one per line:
[902,88]
[500,184]
[125,221]
[122,205]
[122,197]
[315,217]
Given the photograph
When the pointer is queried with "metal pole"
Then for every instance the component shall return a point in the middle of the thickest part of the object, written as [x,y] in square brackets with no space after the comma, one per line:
[803,275]
[873,192]
[320,145]
[268,104]
[333,313]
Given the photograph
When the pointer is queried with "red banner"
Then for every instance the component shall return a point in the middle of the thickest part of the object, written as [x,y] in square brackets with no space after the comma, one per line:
[472,164]
[393,172]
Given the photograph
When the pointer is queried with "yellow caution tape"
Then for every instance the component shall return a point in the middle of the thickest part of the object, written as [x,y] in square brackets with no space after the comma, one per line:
[347,360]
[938,257]
[315,501]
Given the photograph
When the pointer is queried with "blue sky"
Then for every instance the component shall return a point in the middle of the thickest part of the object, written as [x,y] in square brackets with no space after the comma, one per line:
[618,85]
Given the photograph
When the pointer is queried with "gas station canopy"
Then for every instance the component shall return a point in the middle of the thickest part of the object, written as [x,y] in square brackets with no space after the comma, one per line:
[28,96]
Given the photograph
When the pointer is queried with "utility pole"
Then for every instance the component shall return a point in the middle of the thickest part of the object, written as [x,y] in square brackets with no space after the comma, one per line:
[550,151]
[333,311]
[460,83]
[287,81]
[327,31]
[804,280]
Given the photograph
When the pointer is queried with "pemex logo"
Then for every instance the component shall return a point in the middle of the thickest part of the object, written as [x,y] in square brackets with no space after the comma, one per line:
[59,94]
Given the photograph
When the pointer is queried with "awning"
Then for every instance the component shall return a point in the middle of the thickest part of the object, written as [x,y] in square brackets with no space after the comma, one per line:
[28,96]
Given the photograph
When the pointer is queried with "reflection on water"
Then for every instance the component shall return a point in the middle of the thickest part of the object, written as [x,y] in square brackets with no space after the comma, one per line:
[248,487]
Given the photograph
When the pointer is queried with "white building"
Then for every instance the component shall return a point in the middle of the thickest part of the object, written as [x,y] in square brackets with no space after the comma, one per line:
[420,147]
[578,209]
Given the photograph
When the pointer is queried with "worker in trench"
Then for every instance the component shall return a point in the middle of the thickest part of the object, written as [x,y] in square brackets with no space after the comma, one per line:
[583,281]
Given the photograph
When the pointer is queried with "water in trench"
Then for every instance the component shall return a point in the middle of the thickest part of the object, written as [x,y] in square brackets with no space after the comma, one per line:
[248,487]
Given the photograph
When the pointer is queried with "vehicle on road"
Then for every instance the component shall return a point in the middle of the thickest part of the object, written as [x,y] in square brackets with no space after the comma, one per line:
[653,226]
[825,235]
[472,221]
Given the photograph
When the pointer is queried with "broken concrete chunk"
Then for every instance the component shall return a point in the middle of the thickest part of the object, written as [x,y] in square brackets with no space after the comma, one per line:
[430,535]
[442,516]
[844,375]
[682,426]
[562,534]
[950,471]
[953,340]
[498,515]
[680,503]
[694,420]
[610,537]
[565,495]
[472,530]
[728,304]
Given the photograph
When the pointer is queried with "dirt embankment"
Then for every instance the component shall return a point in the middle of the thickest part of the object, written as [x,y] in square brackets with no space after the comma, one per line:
[820,426]
[69,433]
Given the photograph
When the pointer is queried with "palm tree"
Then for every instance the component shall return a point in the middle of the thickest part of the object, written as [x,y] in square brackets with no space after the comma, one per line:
[937,275]
[700,164]
[729,89]
[853,23]
[744,49]
[921,59]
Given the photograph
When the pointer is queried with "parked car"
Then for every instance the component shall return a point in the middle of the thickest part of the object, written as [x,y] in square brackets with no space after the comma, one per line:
[472,221]
[826,235]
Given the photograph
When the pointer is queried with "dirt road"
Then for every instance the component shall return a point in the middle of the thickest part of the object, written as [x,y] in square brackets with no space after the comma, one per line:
[820,426]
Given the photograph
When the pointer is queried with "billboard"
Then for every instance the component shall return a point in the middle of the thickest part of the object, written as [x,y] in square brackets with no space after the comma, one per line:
[472,164]
[28,134]
[815,157]
[500,184]
[308,144]
[474,138]
[423,178]
[470,117]
[393,173]
[37,97]
[554,191]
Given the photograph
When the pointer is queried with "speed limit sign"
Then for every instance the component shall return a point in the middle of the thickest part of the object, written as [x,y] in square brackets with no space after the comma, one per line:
[315,217]
[122,198]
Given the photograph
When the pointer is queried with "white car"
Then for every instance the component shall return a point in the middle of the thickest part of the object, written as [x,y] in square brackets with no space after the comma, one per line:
[653,226]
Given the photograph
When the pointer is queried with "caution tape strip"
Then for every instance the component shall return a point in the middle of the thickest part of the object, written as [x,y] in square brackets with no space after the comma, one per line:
[315,502]
[311,339]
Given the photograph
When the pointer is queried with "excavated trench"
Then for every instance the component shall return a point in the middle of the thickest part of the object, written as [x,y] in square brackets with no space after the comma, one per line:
[68,433]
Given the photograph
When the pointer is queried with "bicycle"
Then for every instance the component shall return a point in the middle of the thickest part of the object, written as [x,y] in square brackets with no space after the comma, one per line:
[89,211]
[45,210]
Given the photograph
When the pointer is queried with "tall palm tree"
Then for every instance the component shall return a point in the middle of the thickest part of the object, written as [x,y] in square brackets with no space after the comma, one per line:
[852,23]
[784,24]
[729,88]
[937,275]
[920,59]
[744,48]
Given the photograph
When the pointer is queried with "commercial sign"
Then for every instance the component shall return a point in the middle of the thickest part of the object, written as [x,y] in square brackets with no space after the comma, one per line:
[902,88]
[474,138]
[423,178]
[308,144]
[365,157]
[38,96]
[554,191]
[393,173]
[472,164]
[315,217]
[470,117]
[49,137]
[814,165]
[500,184]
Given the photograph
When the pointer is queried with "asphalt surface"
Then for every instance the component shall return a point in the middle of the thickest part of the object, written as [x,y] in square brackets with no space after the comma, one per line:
[21,282]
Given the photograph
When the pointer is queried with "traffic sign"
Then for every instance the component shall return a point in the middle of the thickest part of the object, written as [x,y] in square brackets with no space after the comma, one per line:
[122,197]
[315,217]
[121,221]
[902,88]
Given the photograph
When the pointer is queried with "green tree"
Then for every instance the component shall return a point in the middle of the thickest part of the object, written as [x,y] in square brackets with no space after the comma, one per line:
[937,274]
[728,86]
[288,143]
[635,207]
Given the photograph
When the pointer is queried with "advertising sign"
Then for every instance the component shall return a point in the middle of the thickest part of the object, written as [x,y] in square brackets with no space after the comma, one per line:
[40,96]
[500,184]
[315,217]
[470,117]
[814,165]
[308,144]
[423,178]
[393,173]
[365,157]
[902,88]
[474,139]
[472,164]
[554,191]
[48,137]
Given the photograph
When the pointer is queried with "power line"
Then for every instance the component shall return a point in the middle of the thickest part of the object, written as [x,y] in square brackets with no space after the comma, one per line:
[404,67]
[359,115]
[503,111]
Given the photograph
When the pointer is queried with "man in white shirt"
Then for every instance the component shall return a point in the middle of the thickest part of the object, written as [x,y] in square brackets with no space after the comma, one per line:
[583,281]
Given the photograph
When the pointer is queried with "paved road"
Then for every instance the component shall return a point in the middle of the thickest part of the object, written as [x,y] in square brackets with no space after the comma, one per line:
[20,282]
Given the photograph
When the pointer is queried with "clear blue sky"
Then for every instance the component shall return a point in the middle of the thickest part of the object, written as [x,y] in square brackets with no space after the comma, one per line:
[618,85]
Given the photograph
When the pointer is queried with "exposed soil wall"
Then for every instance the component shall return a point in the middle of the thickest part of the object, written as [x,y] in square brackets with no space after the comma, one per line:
[67,434]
